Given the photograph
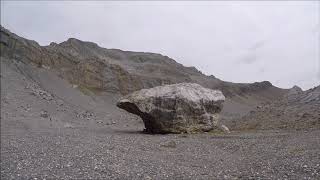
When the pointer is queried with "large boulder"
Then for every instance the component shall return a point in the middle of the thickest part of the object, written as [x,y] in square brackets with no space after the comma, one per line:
[176,108]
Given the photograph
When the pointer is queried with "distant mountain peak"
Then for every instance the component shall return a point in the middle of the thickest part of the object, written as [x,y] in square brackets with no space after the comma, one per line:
[295,87]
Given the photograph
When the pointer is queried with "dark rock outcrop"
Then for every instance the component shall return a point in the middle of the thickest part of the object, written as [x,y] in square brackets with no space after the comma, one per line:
[176,108]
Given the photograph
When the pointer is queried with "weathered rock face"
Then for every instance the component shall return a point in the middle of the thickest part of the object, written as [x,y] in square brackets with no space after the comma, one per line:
[99,71]
[115,71]
[183,107]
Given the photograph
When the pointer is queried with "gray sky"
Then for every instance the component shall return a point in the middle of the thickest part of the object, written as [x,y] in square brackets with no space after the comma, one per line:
[235,41]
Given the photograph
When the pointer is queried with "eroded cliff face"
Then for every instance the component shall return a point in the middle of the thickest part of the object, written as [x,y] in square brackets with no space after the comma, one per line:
[98,69]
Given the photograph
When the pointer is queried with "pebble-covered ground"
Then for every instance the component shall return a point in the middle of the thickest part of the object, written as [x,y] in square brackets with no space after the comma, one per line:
[82,153]
[44,136]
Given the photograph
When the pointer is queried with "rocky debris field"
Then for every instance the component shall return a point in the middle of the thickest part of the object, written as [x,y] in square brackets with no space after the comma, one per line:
[298,110]
[59,120]
[82,153]
[53,138]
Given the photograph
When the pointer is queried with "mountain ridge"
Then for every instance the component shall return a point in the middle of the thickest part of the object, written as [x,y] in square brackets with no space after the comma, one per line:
[298,110]
[100,70]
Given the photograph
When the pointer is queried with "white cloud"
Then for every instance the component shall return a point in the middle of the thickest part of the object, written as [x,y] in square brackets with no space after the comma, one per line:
[243,41]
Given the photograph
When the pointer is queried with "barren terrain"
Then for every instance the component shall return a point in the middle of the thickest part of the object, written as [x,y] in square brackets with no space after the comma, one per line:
[55,126]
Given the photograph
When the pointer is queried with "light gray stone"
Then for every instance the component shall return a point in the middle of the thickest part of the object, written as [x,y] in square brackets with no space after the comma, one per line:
[176,108]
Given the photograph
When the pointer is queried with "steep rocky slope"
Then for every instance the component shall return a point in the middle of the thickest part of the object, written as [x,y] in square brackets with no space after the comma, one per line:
[98,71]
[297,110]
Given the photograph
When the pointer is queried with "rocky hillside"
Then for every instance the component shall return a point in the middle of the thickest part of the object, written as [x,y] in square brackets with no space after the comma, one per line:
[59,119]
[96,70]
[297,110]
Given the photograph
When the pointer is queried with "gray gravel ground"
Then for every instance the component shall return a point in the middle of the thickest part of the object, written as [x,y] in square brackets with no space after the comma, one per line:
[76,142]
[104,153]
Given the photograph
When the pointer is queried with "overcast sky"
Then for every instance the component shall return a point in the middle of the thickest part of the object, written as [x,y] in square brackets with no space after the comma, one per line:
[235,41]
